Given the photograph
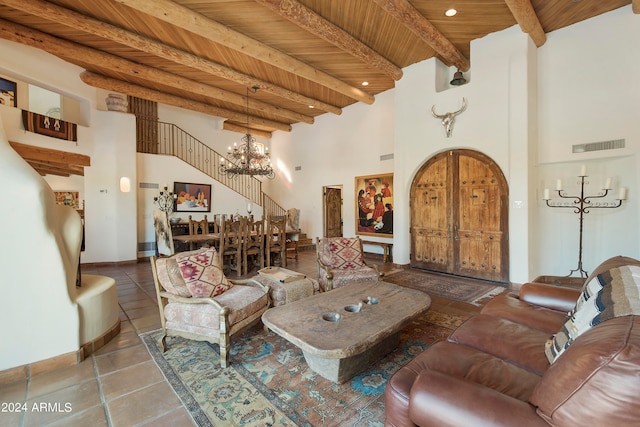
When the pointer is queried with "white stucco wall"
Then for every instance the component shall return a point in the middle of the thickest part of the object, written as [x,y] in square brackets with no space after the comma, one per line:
[38,260]
[588,96]
[108,138]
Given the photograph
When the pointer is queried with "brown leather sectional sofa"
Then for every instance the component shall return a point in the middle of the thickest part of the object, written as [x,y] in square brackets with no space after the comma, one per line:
[493,370]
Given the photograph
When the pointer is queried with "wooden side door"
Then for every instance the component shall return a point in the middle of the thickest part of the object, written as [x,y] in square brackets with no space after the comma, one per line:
[332,212]
[459,216]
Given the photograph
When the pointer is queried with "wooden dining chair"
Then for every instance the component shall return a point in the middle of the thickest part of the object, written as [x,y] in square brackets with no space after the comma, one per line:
[275,240]
[198,227]
[253,244]
[231,236]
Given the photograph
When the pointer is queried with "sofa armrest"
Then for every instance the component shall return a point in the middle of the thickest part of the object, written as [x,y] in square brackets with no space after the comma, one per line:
[438,399]
[549,296]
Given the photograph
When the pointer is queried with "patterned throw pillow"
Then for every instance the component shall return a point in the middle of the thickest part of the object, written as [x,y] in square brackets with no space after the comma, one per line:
[342,252]
[611,294]
[202,274]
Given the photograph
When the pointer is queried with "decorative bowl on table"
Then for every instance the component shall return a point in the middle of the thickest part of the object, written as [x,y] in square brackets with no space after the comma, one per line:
[175,220]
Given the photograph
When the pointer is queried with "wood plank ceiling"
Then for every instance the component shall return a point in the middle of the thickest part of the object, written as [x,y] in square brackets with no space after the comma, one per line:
[307,57]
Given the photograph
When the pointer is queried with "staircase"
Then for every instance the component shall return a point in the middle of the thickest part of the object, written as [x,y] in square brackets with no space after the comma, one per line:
[155,137]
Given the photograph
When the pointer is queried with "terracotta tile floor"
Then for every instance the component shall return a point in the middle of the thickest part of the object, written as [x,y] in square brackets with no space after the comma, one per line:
[120,385]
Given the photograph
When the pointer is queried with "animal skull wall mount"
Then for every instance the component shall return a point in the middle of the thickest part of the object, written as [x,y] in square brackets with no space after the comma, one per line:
[448,119]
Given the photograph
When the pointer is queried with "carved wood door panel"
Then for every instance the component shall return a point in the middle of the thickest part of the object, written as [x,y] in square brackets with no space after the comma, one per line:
[431,244]
[459,216]
[333,212]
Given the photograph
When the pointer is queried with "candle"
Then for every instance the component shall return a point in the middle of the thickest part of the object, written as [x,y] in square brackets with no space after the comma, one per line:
[546,194]
[583,170]
[559,185]
[623,193]
[607,186]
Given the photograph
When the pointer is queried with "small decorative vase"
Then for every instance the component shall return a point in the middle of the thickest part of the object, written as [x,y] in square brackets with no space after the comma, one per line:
[117,102]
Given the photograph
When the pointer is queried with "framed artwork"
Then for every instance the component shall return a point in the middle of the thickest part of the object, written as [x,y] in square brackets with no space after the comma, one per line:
[192,197]
[68,198]
[374,205]
[8,92]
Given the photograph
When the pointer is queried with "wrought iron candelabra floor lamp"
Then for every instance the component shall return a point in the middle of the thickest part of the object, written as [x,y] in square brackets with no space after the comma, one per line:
[581,205]
[165,200]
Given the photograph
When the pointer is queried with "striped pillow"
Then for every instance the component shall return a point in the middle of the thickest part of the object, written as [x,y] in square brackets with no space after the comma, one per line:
[613,293]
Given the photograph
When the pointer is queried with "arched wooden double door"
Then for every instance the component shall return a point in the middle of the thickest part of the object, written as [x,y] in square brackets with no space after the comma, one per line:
[459,216]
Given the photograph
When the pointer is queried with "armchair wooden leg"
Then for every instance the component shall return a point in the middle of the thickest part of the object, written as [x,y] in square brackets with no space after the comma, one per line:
[224,356]
[163,343]
[223,339]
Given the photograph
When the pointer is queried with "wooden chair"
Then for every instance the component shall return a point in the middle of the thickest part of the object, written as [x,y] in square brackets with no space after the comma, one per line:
[198,227]
[214,319]
[231,236]
[275,240]
[253,243]
[341,261]
[293,233]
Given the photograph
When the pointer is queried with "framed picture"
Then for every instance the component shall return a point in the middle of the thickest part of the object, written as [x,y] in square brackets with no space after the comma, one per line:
[374,205]
[68,198]
[8,92]
[192,197]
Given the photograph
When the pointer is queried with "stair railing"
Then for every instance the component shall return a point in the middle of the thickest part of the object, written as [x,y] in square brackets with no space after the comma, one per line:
[155,137]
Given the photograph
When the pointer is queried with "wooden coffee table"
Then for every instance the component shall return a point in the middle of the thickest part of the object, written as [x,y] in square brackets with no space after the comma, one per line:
[343,331]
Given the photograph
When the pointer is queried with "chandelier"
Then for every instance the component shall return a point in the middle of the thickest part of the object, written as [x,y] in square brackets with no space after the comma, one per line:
[247,158]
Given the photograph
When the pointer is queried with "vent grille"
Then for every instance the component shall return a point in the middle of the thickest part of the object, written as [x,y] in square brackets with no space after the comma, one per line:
[386,157]
[149,185]
[599,146]
[146,246]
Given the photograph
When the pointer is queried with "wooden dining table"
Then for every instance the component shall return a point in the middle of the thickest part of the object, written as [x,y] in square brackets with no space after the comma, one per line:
[191,239]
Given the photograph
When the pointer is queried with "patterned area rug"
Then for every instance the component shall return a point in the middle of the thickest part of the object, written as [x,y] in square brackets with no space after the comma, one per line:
[456,288]
[270,384]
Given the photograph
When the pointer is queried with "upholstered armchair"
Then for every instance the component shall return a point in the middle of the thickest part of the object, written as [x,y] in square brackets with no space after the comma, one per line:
[341,261]
[197,302]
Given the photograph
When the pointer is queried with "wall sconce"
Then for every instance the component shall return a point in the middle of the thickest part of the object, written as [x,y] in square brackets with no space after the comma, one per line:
[125,185]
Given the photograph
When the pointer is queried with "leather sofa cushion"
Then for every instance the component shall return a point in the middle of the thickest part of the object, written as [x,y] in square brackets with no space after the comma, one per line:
[524,346]
[456,361]
[440,400]
[508,306]
[596,381]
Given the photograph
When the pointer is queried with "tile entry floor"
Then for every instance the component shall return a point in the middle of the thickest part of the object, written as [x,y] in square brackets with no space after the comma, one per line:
[120,385]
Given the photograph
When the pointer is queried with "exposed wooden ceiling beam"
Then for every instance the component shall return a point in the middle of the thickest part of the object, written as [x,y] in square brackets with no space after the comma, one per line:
[315,24]
[49,155]
[635,6]
[196,23]
[115,85]
[85,57]
[47,161]
[60,169]
[243,129]
[522,11]
[92,26]
[411,18]
[46,170]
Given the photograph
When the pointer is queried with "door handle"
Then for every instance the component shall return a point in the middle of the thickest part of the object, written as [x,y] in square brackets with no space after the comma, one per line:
[448,231]
[455,232]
